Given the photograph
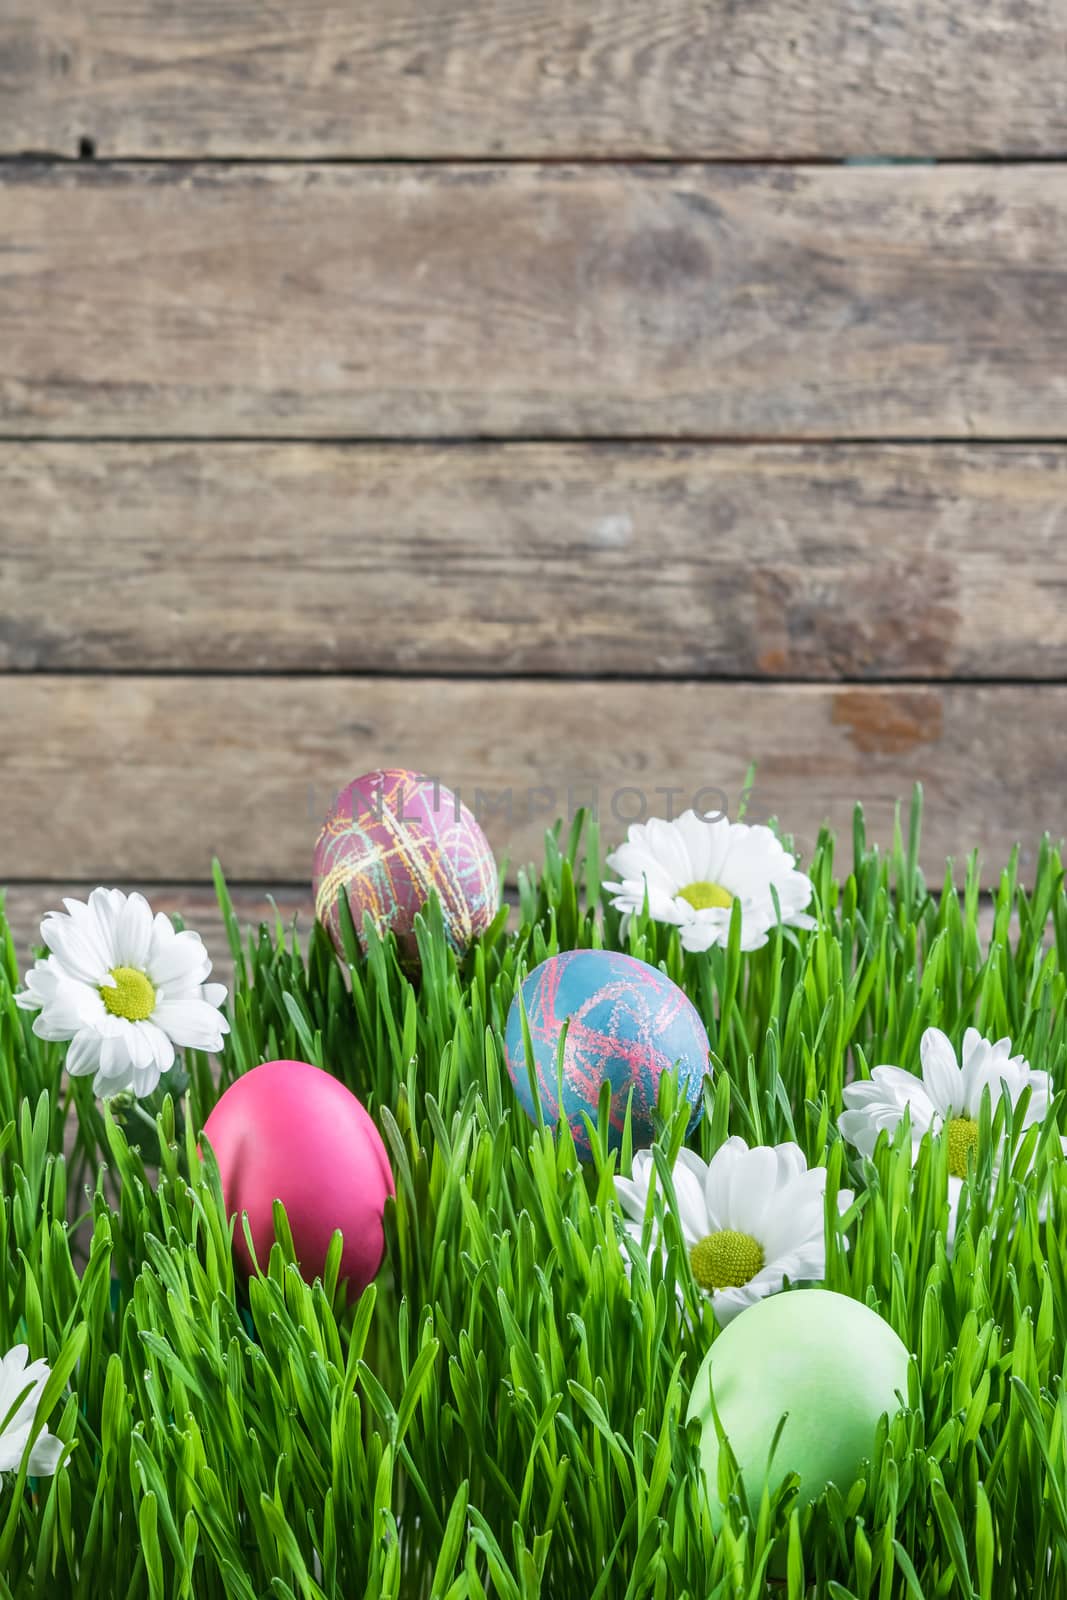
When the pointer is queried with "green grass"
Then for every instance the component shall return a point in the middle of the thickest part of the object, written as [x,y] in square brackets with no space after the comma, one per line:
[503,1413]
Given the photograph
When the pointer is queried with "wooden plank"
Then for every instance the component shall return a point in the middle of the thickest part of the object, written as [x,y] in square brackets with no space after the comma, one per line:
[528,77]
[433,302]
[26,903]
[150,777]
[811,561]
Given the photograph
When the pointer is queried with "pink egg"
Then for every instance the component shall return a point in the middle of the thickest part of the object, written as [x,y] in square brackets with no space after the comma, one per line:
[390,839]
[288,1131]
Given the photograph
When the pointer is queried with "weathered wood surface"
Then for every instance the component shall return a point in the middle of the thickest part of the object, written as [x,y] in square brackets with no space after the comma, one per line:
[160,774]
[808,562]
[25,904]
[558,301]
[529,77]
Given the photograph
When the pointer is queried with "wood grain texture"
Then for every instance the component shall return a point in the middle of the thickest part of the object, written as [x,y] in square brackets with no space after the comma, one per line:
[131,777]
[442,302]
[25,904]
[803,562]
[529,77]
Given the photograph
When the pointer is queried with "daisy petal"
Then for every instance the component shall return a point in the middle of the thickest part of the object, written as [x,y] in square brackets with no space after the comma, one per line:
[83,1057]
[45,1455]
[16,1378]
[941,1072]
[689,1175]
[729,1303]
[162,1048]
[133,933]
[80,955]
[176,960]
[192,1023]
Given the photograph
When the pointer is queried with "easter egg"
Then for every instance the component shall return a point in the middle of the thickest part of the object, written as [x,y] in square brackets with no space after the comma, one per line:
[628,1024]
[393,837]
[289,1131]
[827,1360]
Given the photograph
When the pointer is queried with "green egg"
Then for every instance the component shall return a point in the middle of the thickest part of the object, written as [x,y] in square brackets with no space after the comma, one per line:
[826,1360]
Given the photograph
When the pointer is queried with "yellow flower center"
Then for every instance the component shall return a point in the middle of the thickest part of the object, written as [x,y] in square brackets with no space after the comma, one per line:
[962,1139]
[132,997]
[703,895]
[726,1260]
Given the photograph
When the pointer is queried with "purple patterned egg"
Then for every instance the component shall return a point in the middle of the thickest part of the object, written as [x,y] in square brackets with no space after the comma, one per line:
[628,1024]
[391,838]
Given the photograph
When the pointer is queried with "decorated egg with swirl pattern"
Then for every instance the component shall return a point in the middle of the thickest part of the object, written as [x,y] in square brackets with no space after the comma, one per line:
[627,1024]
[391,839]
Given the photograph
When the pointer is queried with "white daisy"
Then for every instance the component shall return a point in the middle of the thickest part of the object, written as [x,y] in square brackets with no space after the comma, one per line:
[946,1099]
[696,867]
[124,988]
[15,1378]
[749,1218]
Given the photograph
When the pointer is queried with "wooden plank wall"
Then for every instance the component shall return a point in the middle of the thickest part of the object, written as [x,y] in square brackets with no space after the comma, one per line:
[565,399]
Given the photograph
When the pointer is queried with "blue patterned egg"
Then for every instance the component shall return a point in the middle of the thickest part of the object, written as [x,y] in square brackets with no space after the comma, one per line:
[628,1024]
